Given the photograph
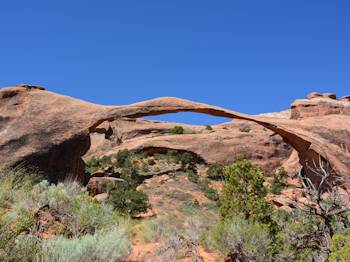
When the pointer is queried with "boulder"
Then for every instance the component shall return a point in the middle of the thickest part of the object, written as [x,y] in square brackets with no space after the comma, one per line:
[345,99]
[330,95]
[319,105]
[98,185]
[102,198]
[314,95]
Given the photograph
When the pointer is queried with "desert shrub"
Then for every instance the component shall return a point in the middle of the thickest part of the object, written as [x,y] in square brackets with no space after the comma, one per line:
[151,162]
[91,165]
[215,171]
[211,194]
[27,248]
[208,127]
[239,239]
[161,156]
[173,155]
[15,184]
[127,200]
[185,159]
[208,191]
[141,155]
[245,128]
[111,245]
[79,214]
[277,183]
[340,247]
[90,216]
[144,168]
[177,130]
[94,164]
[123,157]
[192,176]
[131,177]
[152,230]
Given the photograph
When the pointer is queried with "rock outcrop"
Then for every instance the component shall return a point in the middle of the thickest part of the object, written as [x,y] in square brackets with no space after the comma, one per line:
[320,105]
[53,131]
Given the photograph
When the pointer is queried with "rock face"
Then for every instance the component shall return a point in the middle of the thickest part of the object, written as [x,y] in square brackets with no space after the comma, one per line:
[53,131]
[215,144]
[320,105]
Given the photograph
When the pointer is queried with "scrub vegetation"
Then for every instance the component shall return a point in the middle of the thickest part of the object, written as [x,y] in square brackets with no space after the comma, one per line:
[40,221]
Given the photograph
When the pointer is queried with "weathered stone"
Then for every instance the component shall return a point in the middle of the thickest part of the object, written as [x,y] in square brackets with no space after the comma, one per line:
[98,185]
[52,131]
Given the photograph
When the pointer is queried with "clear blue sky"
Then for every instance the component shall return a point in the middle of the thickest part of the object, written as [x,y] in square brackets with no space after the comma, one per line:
[250,56]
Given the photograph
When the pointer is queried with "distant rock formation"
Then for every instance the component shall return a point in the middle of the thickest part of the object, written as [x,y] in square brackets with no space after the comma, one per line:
[320,105]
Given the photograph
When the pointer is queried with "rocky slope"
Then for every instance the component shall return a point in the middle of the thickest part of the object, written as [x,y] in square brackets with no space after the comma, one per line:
[52,131]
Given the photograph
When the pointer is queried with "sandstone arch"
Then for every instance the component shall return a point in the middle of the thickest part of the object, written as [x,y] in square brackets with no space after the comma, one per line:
[52,131]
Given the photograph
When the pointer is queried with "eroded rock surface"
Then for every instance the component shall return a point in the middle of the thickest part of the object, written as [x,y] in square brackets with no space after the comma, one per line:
[52,131]
[320,105]
[214,144]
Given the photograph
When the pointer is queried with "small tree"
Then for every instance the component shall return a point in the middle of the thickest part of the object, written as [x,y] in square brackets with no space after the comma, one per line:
[127,200]
[244,193]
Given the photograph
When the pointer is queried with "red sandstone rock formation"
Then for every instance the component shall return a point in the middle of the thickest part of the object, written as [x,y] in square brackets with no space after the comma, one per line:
[220,144]
[52,131]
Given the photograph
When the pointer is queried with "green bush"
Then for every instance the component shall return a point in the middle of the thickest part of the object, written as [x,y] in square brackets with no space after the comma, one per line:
[94,164]
[177,130]
[215,172]
[127,200]
[15,184]
[239,238]
[131,177]
[277,183]
[208,127]
[185,159]
[340,247]
[111,245]
[123,158]
[192,176]
[26,248]
[209,192]
[173,155]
